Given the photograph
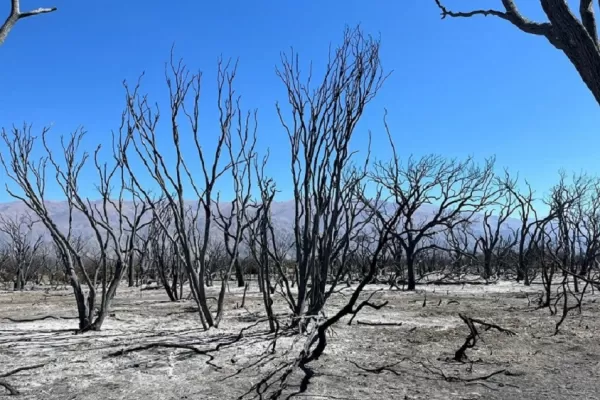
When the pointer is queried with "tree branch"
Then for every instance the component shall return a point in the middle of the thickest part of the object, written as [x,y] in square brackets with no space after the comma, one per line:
[511,14]
[16,14]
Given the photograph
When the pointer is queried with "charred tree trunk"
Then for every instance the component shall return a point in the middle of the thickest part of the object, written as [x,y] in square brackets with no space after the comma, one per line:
[239,274]
[410,269]
[487,265]
[131,275]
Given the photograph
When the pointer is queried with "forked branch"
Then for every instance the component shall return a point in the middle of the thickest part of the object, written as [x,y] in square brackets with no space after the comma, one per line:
[16,14]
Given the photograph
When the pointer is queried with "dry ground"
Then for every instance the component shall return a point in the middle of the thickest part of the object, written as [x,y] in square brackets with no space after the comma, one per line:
[537,364]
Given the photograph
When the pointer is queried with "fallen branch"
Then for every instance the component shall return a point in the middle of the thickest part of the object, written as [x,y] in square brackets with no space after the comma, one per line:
[471,340]
[18,320]
[279,376]
[11,388]
[378,323]
[20,369]
[189,346]
[381,369]
[148,346]
[449,378]
[366,303]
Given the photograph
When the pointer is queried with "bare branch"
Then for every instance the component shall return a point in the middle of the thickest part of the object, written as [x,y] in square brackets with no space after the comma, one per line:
[15,15]
[510,14]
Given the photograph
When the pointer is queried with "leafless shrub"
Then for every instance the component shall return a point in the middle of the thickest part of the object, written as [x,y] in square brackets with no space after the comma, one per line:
[141,121]
[321,124]
[30,178]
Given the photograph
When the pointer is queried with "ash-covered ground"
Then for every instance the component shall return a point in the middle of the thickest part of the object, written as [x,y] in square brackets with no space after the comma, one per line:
[404,350]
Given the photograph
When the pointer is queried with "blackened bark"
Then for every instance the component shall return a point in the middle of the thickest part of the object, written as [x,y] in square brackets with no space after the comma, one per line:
[239,274]
[577,39]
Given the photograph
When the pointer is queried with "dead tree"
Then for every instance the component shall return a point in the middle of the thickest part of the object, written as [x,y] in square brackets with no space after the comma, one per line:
[505,203]
[142,249]
[262,244]
[114,240]
[576,37]
[566,201]
[22,244]
[588,229]
[30,177]
[383,228]
[228,222]
[5,273]
[567,244]
[460,248]
[16,14]
[164,263]
[320,124]
[234,222]
[316,341]
[269,247]
[530,223]
[547,242]
[174,178]
[433,194]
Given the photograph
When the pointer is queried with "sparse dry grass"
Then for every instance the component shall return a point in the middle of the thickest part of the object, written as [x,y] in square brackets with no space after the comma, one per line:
[538,365]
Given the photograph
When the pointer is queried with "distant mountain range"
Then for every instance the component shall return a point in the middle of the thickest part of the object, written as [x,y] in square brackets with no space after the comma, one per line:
[282,217]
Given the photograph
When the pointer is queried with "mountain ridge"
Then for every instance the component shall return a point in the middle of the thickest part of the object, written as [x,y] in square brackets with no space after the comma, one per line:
[282,217]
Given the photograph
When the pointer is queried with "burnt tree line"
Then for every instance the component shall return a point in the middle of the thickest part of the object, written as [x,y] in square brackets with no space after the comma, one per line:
[191,211]
[356,220]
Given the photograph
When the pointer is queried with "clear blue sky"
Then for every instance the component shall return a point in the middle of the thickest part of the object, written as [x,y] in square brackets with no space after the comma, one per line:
[460,87]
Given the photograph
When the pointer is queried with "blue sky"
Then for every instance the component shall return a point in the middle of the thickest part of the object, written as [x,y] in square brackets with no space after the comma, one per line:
[459,87]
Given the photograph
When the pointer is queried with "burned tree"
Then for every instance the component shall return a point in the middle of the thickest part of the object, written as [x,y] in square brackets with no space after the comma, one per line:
[192,223]
[263,245]
[23,246]
[30,178]
[576,37]
[505,204]
[16,15]
[320,124]
[529,229]
[461,251]
[453,191]
[588,229]
[567,252]
[163,261]
[233,222]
